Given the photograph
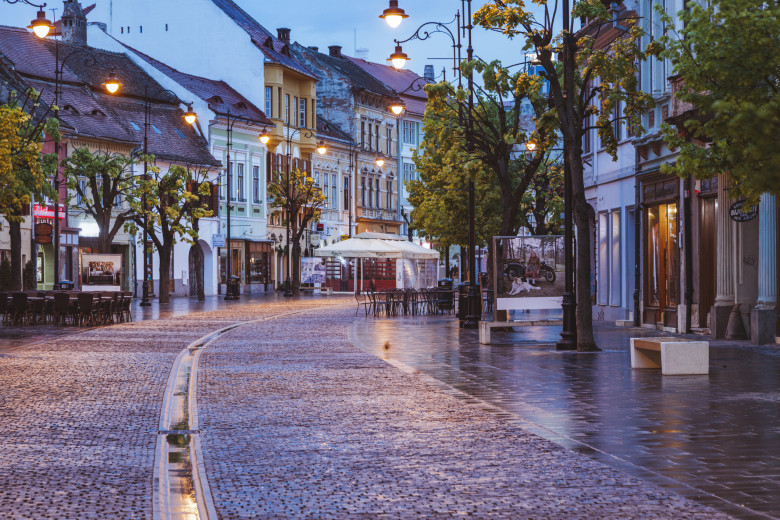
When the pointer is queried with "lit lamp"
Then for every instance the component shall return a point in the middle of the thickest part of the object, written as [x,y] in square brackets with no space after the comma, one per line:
[393,15]
[190,116]
[397,106]
[41,26]
[398,58]
[264,137]
[530,146]
[321,148]
[112,84]
[380,162]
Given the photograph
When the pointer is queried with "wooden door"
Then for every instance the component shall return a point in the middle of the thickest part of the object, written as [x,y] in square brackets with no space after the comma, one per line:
[707,254]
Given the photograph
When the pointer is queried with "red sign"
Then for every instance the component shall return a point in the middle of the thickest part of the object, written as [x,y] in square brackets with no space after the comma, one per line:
[48,211]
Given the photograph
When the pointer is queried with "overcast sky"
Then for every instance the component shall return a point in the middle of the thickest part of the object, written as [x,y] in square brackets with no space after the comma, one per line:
[349,23]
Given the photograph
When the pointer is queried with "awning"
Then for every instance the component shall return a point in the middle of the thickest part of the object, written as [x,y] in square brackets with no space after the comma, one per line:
[377,245]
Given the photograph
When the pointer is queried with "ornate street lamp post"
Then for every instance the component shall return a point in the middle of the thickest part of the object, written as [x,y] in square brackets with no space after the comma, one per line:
[41,28]
[190,117]
[398,59]
[321,149]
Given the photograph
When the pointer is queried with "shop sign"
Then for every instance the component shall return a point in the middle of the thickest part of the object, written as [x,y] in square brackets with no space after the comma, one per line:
[218,240]
[741,213]
[315,238]
[47,211]
[344,237]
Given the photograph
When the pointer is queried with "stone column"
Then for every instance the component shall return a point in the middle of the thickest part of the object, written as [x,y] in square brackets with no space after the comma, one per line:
[724,296]
[763,318]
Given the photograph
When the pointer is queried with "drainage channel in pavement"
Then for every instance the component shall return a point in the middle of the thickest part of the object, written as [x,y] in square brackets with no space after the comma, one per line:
[181,490]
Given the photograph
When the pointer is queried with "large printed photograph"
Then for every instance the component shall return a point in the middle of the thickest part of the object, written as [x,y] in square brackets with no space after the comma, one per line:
[529,267]
[101,270]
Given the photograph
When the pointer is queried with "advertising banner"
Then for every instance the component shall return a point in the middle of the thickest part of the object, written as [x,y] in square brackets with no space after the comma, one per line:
[101,272]
[529,272]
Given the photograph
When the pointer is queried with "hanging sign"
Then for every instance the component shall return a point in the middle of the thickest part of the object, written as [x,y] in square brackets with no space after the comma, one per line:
[741,213]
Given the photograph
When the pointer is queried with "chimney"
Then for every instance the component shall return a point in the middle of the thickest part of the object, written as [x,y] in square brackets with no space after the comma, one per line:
[74,23]
[428,74]
[314,48]
[335,50]
[283,34]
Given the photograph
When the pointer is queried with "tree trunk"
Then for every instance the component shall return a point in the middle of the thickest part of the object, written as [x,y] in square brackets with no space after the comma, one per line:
[296,268]
[165,266]
[584,316]
[197,272]
[104,241]
[15,231]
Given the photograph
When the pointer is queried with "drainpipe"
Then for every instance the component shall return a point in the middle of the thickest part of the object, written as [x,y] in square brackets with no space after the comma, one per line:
[400,169]
[637,238]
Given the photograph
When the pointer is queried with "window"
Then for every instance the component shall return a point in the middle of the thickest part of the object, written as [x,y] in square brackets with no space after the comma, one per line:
[363,191]
[221,186]
[118,200]
[268,101]
[346,192]
[370,135]
[389,193]
[295,111]
[377,194]
[410,130]
[362,134]
[390,141]
[240,181]
[83,187]
[334,199]
[370,193]
[377,138]
[409,172]
[302,113]
[325,190]
[287,108]
[255,184]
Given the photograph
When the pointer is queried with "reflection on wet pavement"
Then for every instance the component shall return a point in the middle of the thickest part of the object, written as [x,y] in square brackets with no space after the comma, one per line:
[713,438]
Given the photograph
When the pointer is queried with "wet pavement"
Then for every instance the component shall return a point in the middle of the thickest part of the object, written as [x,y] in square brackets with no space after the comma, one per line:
[713,438]
[293,420]
[20,335]
[298,423]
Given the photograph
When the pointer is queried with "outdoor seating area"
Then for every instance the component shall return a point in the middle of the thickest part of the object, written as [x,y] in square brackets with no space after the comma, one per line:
[405,302]
[65,308]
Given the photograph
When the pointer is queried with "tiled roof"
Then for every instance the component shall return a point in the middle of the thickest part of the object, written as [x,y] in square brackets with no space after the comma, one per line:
[219,95]
[399,80]
[326,129]
[359,79]
[273,48]
[86,110]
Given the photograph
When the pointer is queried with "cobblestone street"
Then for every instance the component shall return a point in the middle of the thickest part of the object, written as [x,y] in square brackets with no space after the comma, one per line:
[295,421]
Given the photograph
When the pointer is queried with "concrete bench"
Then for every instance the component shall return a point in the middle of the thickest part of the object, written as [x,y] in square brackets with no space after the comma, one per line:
[674,356]
[486,326]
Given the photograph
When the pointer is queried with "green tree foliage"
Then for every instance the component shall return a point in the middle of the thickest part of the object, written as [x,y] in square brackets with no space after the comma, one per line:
[728,55]
[586,87]
[23,171]
[298,194]
[98,179]
[169,211]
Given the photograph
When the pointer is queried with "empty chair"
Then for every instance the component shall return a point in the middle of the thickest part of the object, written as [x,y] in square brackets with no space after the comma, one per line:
[62,308]
[87,310]
[4,307]
[21,308]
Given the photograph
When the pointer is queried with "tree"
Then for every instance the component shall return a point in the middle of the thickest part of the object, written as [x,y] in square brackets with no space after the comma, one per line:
[303,200]
[23,171]
[502,175]
[589,82]
[101,181]
[727,54]
[169,212]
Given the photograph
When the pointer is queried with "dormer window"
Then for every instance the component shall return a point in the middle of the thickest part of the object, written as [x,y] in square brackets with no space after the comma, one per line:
[241,104]
[269,43]
[70,108]
[97,112]
[216,100]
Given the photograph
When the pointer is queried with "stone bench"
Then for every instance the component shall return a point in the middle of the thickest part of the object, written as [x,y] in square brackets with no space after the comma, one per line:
[486,326]
[674,356]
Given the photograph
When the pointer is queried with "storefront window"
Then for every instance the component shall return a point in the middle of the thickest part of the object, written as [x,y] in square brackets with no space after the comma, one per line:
[663,257]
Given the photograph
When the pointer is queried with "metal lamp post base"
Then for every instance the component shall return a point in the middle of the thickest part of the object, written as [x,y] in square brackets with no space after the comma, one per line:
[288,288]
[473,299]
[569,333]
